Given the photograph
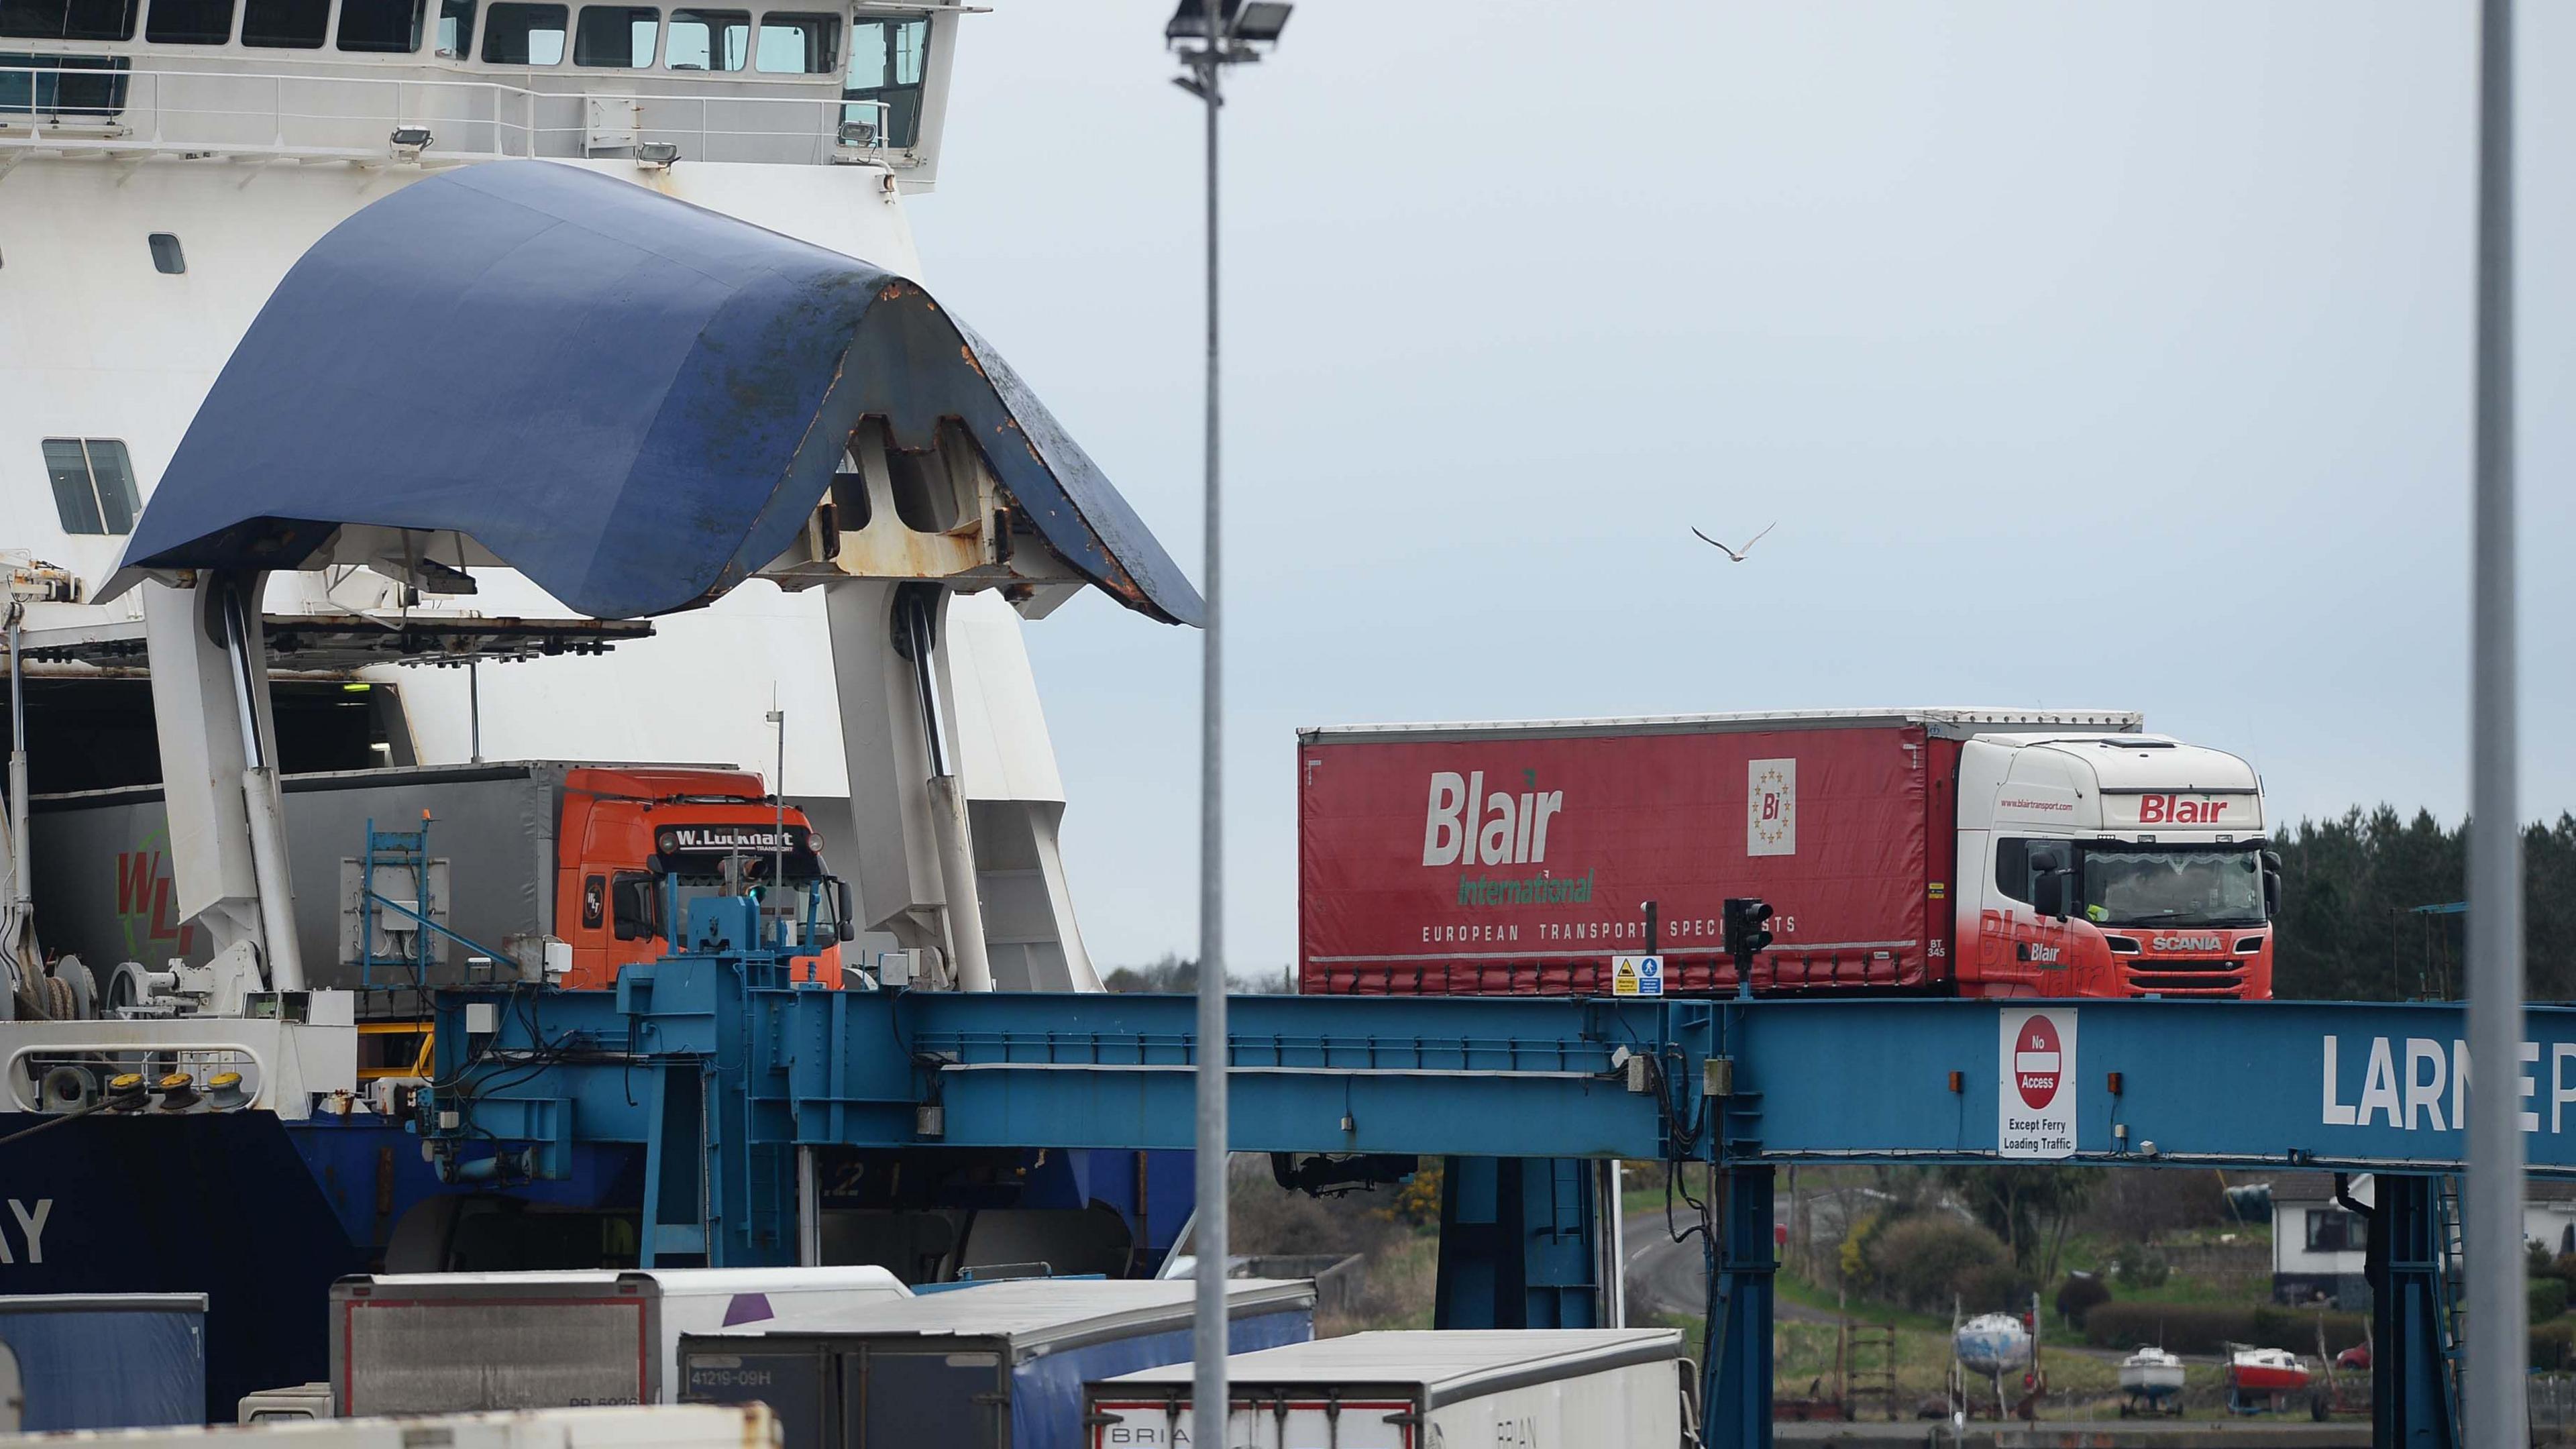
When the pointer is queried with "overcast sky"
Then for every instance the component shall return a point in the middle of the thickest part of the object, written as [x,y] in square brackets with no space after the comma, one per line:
[2084,355]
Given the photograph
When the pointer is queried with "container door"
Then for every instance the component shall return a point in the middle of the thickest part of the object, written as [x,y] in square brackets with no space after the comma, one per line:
[790,1379]
[907,1398]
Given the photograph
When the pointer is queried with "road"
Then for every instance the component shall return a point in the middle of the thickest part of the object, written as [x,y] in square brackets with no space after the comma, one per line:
[1669,1277]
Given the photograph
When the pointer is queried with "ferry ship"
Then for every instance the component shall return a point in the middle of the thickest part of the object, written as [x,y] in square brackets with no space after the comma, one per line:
[163,164]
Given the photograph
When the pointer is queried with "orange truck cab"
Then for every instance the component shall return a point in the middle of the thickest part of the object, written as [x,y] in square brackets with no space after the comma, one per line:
[631,840]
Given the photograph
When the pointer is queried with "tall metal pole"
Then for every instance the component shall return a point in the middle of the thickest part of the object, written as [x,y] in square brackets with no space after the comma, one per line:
[2493,1402]
[1208,1329]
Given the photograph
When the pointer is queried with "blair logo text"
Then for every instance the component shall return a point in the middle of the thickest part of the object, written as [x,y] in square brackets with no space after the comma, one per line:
[1467,826]
[2175,810]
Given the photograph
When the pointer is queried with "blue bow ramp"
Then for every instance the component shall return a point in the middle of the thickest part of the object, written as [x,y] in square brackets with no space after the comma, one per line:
[631,400]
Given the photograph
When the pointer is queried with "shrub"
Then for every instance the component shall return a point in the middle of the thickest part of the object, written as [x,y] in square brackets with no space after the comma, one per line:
[1417,1202]
[2138,1206]
[1852,1260]
[1922,1260]
[2178,1327]
[2548,1298]
[2200,1328]
[1996,1288]
[2079,1295]
[2551,1345]
[2144,1268]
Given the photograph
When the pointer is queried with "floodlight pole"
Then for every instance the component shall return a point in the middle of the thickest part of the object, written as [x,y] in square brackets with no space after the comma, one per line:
[2493,1399]
[1209,1240]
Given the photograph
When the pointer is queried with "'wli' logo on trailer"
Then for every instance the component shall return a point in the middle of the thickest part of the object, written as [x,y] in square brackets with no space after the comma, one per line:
[143,891]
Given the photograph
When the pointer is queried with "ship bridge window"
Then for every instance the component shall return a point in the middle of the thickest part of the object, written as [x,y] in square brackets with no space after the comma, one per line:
[285,24]
[386,27]
[455,28]
[888,59]
[167,257]
[66,20]
[616,35]
[189,22]
[93,484]
[714,40]
[522,34]
[798,44]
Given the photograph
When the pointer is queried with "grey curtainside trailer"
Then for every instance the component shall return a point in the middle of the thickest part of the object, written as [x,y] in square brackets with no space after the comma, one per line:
[103,886]
[996,1366]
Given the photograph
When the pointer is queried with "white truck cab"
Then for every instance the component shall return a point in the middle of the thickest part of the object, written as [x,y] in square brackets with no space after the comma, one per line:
[2114,864]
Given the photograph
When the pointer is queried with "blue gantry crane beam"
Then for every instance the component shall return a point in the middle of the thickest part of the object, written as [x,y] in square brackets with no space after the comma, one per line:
[721,1068]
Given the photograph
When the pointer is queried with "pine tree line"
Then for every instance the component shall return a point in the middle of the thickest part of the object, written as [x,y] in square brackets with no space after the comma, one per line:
[2353,925]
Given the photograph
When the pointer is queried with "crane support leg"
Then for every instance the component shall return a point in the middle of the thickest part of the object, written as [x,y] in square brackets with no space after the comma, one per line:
[1735,1377]
[219,768]
[2409,1394]
[916,865]
[1519,1244]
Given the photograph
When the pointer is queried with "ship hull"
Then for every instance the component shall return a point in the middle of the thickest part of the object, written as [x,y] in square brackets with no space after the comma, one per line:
[221,1205]
[261,1215]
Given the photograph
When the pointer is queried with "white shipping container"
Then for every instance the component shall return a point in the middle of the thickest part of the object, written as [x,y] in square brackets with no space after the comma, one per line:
[678,1426]
[1607,1388]
[453,1343]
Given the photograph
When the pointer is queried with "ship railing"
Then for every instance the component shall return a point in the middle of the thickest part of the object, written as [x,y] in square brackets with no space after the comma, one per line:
[104,106]
[284,1065]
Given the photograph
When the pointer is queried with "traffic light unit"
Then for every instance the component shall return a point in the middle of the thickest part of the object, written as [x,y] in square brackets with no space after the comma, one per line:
[1748,931]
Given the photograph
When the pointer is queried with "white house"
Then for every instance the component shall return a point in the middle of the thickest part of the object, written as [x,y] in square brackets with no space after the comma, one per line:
[2319,1245]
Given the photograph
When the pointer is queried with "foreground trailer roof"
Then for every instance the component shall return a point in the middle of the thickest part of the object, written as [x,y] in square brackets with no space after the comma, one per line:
[1045,1312]
[669,1280]
[633,401]
[102,1303]
[1943,722]
[1442,1366]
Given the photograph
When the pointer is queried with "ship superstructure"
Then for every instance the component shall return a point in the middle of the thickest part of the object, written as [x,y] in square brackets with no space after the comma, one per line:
[169,168]
[164,162]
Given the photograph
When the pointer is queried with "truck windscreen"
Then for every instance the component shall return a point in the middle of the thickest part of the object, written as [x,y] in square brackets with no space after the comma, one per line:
[2149,885]
[803,907]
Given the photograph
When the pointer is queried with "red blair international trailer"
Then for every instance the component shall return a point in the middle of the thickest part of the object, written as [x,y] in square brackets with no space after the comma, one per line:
[1928,850]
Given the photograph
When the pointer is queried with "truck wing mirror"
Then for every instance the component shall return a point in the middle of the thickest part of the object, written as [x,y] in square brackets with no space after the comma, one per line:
[2271,894]
[849,923]
[2048,893]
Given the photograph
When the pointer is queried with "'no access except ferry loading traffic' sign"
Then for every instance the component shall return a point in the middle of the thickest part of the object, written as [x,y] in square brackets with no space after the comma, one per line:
[2035,1103]
[1636,975]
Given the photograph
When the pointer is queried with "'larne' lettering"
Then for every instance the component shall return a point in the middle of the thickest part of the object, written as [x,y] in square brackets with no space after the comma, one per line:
[2422,1084]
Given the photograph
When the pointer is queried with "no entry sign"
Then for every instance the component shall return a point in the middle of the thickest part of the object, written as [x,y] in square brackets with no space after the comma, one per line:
[2036,1101]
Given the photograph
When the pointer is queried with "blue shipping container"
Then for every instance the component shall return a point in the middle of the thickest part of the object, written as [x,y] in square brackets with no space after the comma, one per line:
[108,1360]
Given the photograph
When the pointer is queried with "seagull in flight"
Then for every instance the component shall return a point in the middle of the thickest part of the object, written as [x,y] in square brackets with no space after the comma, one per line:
[1736,554]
